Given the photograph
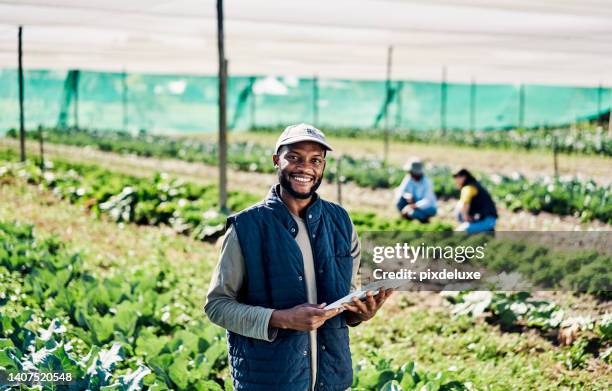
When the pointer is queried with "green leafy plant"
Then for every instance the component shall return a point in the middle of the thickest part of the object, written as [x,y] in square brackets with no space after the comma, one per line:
[583,199]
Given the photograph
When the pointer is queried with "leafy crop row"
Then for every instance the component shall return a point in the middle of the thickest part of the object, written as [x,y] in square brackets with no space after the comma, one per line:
[520,309]
[113,333]
[187,208]
[588,142]
[519,260]
[583,199]
[129,330]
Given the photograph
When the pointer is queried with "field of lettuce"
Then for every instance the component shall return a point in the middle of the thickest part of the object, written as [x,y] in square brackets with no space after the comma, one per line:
[140,324]
[591,141]
[192,210]
[124,311]
[583,199]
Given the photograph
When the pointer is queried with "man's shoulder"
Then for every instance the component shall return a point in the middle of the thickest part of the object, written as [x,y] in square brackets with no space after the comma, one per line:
[252,211]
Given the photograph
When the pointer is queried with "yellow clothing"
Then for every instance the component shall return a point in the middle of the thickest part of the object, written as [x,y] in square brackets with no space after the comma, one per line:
[467,194]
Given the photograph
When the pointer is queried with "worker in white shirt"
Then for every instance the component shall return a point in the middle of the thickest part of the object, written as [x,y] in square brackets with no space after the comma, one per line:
[414,197]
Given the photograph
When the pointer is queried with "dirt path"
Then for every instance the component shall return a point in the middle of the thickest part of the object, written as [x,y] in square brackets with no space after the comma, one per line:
[379,201]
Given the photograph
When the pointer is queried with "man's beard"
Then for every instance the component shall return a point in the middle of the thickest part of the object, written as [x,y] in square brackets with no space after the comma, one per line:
[286,184]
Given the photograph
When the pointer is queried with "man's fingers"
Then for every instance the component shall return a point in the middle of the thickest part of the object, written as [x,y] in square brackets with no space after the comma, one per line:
[351,307]
[371,302]
[331,313]
[315,311]
[380,297]
[319,312]
[360,305]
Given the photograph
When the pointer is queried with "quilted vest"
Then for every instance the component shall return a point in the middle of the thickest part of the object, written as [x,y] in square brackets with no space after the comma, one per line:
[482,204]
[275,279]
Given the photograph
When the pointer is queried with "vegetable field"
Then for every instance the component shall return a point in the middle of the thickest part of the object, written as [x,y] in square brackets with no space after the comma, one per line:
[133,132]
[140,324]
[583,199]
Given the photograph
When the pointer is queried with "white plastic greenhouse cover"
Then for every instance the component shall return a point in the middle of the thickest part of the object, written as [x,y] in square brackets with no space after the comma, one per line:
[566,42]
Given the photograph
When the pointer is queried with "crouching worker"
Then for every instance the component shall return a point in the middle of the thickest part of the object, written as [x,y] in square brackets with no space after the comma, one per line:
[415,198]
[475,210]
[281,262]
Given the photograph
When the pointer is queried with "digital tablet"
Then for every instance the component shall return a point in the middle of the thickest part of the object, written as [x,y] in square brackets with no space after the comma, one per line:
[360,294]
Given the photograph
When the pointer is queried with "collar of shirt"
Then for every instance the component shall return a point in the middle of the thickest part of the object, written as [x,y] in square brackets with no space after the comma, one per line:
[278,207]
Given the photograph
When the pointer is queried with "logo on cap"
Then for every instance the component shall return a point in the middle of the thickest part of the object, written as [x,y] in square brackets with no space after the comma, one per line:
[314,133]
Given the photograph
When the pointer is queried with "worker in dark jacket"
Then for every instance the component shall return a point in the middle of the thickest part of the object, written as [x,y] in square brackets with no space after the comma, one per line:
[475,210]
[282,260]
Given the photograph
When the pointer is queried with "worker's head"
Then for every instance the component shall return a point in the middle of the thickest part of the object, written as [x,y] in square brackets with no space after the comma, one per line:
[414,167]
[300,160]
[463,177]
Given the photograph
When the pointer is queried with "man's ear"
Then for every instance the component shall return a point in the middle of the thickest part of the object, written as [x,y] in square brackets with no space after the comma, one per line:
[275,160]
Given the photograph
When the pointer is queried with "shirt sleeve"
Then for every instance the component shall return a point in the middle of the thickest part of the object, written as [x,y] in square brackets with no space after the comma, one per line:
[467,193]
[356,254]
[401,189]
[222,306]
[429,199]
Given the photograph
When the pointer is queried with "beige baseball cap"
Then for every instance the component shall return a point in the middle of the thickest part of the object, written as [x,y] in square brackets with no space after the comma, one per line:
[301,132]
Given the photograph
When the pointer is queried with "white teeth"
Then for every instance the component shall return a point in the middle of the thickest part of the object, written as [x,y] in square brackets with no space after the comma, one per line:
[301,179]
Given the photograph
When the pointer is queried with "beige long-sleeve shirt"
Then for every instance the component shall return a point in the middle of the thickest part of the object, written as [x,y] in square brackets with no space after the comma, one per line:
[229,275]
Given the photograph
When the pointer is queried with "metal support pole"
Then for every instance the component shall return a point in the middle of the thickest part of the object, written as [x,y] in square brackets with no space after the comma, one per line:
[315,100]
[610,117]
[338,181]
[21,108]
[555,157]
[599,97]
[443,98]
[521,119]
[124,100]
[76,98]
[42,149]
[473,106]
[387,96]
[398,104]
[222,111]
[252,105]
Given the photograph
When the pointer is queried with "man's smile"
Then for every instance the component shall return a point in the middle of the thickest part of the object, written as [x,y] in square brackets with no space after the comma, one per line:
[301,179]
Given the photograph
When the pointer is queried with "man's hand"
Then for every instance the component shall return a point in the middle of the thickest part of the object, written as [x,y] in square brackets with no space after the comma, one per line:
[409,198]
[365,310]
[407,210]
[304,317]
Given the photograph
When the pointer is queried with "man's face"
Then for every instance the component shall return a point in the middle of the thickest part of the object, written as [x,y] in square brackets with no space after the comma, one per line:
[300,168]
[416,176]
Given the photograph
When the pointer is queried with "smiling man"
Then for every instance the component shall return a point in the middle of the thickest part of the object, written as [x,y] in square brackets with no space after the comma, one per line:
[281,262]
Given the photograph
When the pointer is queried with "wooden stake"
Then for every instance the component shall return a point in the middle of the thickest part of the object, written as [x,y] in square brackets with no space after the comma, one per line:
[21,108]
[599,94]
[610,117]
[388,94]
[42,150]
[222,111]
[76,98]
[521,119]
[473,106]
[315,100]
[443,99]
[252,105]
[555,157]
[338,181]
[124,100]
